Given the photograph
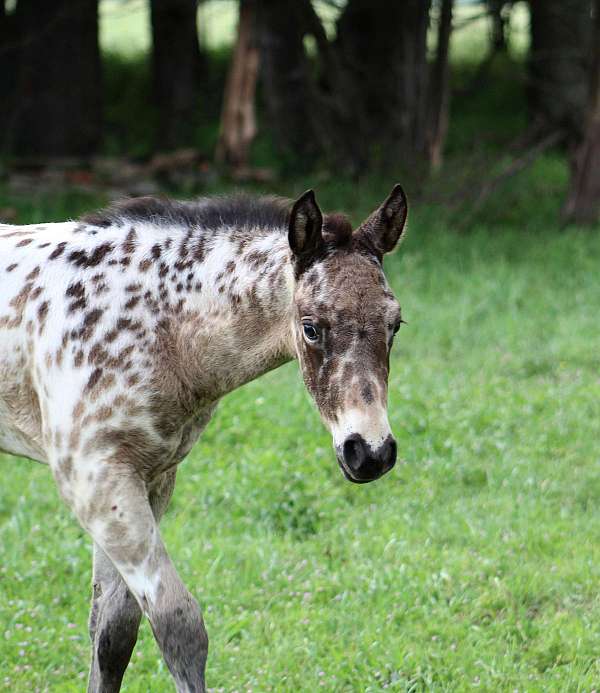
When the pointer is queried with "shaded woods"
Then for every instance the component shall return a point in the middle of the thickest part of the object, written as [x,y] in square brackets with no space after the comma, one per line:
[346,86]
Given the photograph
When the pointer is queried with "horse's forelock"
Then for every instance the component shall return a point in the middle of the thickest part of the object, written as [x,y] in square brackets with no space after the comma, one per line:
[337,229]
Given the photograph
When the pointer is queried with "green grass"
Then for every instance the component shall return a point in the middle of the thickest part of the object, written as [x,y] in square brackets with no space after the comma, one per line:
[476,563]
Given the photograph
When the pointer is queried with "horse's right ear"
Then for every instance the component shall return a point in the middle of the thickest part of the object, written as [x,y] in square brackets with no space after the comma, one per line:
[306,223]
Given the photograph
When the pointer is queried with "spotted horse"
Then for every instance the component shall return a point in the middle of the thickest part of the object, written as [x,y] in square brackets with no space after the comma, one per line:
[120,332]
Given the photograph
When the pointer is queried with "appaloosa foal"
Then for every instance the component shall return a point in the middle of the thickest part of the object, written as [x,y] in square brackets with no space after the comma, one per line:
[120,332]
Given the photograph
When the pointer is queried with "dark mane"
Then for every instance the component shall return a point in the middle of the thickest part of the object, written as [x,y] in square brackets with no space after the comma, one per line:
[239,211]
[206,212]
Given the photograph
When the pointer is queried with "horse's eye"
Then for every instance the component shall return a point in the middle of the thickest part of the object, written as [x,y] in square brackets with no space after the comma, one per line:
[396,326]
[310,331]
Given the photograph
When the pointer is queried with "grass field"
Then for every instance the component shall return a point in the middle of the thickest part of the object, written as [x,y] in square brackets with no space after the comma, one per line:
[475,564]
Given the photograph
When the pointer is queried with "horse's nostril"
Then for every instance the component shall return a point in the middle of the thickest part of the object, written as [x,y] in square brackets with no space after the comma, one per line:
[355,451]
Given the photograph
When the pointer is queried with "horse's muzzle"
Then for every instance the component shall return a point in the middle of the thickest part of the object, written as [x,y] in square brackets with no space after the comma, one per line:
[361,464]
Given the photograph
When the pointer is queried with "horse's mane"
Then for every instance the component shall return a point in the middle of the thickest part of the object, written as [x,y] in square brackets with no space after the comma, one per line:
[239,211]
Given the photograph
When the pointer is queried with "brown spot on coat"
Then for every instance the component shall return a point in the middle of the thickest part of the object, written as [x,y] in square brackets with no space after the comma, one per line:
[129,243]
[94,379]
[133,301]
[33,274]
[81,258]
[97,355]
[78,410]
[43,310]
[66,466]
[58,251]
[77,305]
[133,379]
[89,323]
[75,290]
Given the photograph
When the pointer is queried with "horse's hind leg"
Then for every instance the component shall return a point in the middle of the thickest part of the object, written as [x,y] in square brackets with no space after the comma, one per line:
[114,621]
[115,614]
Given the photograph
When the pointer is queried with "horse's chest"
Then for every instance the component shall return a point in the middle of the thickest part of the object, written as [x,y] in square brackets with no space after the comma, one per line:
[177,444]
[192,430]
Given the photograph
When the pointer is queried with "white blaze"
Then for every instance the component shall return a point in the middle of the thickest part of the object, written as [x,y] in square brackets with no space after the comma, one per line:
[371,423]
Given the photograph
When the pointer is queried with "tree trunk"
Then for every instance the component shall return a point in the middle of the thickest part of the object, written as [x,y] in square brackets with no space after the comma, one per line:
[176,66]
[56,110]
[583,200]
[288,90]
[439,96]
[560,41]
[383,47]
[238,118]
[358,100]
[499,23]
[9,42]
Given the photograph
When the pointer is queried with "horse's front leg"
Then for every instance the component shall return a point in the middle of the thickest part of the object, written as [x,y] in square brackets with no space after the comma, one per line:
[115,614]
[113,506]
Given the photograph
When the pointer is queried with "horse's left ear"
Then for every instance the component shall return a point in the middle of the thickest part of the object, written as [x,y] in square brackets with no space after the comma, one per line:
[384,228]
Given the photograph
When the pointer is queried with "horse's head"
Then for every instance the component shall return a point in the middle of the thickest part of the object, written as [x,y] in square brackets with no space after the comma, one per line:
[344,325]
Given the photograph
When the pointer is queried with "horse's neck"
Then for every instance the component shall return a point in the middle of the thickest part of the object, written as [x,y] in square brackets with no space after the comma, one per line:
[239,324]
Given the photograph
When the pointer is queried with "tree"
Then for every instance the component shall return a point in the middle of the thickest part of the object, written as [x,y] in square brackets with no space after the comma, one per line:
[366,96]
[382,46]
[55,109]
[559,60]
[238,118]
[8,73]
[439,88]
[289,92]
[499,21]
[583,200]
[176,69]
